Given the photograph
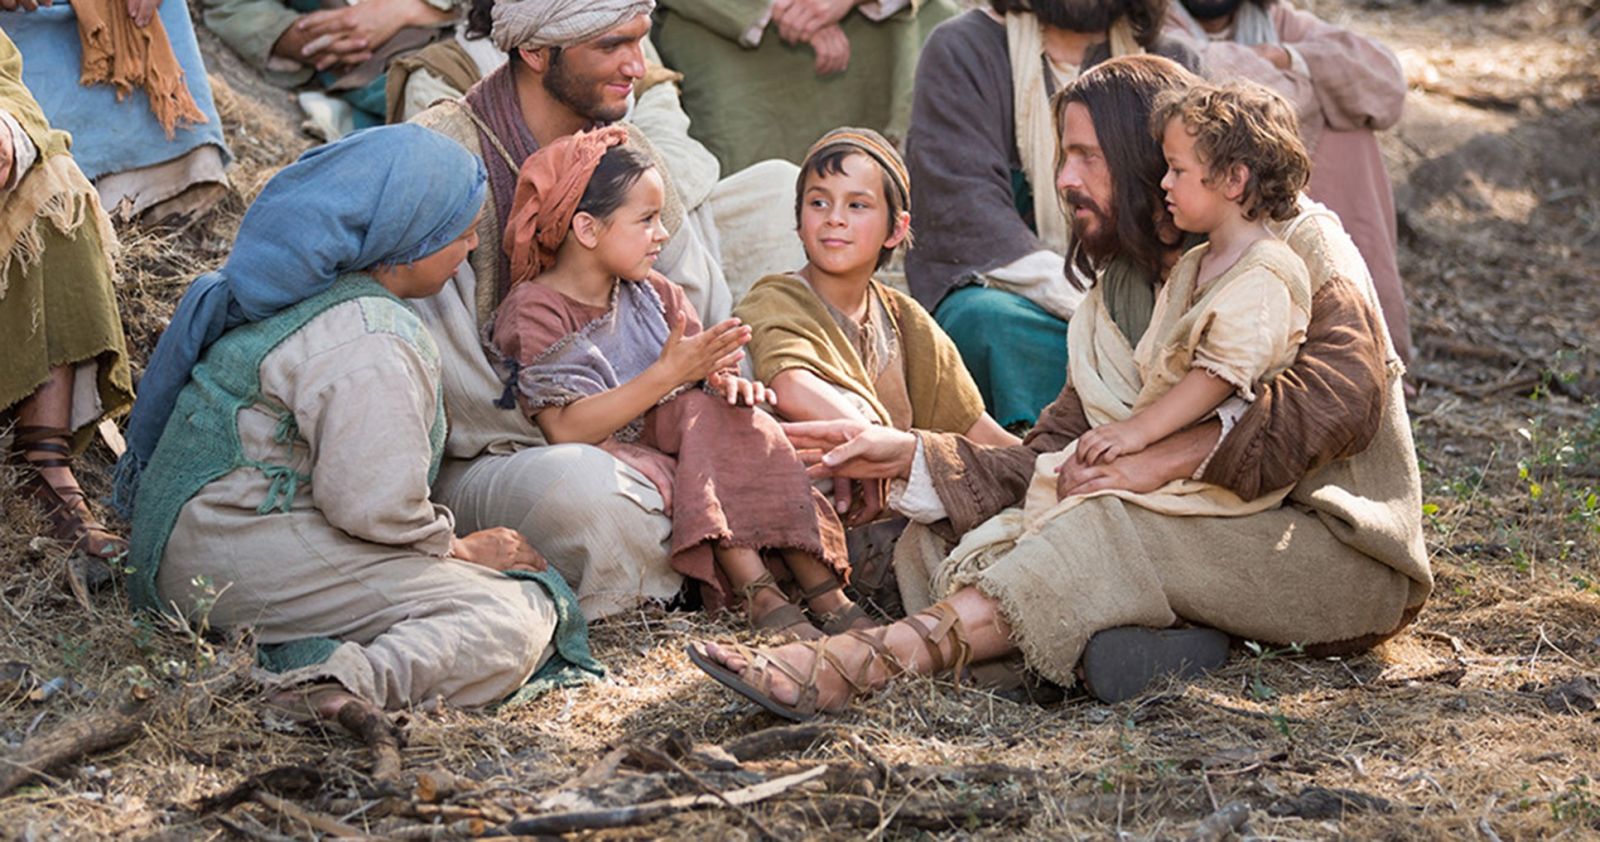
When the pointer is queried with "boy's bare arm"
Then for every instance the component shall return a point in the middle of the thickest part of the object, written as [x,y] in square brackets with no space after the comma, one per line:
[803,396]
[1196,395]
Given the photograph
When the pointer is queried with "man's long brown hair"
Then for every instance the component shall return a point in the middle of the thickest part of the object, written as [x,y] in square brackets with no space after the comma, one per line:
[1120,95]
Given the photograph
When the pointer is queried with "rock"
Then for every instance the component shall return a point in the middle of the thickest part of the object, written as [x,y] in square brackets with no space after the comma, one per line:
[1580,695]
[1317,802]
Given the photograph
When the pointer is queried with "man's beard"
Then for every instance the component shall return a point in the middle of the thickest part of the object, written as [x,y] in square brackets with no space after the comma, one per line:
[1100,243]
[1075,15]
[1211,9]
[583,96]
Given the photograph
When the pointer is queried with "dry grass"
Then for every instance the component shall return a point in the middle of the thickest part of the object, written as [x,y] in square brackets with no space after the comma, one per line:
[1442,733]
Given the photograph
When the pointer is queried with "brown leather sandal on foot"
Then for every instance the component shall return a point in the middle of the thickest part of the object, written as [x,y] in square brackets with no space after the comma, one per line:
[849,617]
[61,503]
[755,683]
[787,620]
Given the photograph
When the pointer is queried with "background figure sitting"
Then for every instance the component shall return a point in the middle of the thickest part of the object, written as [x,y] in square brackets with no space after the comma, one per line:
[992,239]
[143,125]
[340,47]
[1344,87]
[762,78]
[65,367]
[739,216]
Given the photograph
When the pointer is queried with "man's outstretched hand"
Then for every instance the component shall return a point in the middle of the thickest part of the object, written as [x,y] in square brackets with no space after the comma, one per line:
[852,448]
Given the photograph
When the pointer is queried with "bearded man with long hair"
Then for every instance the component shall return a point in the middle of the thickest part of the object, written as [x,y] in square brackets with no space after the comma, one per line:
[992,239]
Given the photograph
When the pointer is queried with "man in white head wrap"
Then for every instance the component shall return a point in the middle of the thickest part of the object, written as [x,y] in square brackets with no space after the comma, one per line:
[576,64]
[531,24]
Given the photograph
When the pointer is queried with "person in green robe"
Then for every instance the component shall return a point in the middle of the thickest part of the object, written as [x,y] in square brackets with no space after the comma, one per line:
[764,78]
[65,367]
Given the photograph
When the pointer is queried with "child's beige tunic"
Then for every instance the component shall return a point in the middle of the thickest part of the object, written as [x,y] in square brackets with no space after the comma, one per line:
[1244,326]
[360,555]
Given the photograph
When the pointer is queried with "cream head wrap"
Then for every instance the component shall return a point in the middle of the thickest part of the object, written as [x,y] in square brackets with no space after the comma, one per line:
[531,24]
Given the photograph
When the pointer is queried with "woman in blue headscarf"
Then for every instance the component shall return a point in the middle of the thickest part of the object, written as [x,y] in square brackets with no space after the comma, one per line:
[298,420]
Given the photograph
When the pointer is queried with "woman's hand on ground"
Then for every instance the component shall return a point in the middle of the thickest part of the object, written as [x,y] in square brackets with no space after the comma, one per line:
[499,549]
[698,357]
[832,47]
[852,448]
[143,11]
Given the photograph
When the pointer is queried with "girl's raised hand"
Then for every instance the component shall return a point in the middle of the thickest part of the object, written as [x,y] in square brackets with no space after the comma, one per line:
[693,358]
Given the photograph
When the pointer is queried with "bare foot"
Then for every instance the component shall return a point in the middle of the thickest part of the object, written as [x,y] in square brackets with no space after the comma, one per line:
[362,718]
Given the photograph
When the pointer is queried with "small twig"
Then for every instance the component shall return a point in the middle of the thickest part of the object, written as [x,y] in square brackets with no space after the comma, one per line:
[315,821]
[1545,639]
[576,820]
[1483,820]
[711,790]
[598,773]
[770,741]
[249,828]
[1228,773]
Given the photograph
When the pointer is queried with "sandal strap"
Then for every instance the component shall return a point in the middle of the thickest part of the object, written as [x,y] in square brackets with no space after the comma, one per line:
[828,586]
[758,668]
[783,617]
[946,623]
[842,619]
[41,446]
[30,433]
[761,583]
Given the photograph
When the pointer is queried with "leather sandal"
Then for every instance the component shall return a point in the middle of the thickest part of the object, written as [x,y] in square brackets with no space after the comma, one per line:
[945,624]
[755,683]
[66,506]
[849,617]
[786,620]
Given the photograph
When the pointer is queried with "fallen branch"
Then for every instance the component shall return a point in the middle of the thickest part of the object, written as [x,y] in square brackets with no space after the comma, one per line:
[314,821]
[710,790]
[770,741]
[79,738]
[925,814]
[576,820]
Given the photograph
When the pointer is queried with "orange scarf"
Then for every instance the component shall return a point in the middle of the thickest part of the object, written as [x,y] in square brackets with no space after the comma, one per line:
[549,187]
[118,53]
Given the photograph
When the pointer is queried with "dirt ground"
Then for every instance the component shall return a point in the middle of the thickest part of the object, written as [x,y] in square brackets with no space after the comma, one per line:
[1475,722]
